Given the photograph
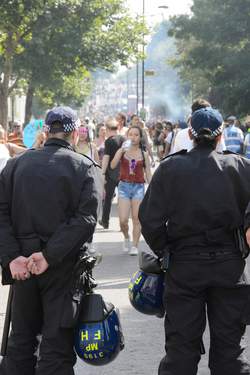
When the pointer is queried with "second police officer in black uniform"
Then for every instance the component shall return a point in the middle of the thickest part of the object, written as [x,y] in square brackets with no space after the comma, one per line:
[48,204]
[193,215]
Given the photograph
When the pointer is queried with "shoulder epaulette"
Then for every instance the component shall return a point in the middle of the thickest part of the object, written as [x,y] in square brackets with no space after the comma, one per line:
[181,152]
[228,152]
[91,160]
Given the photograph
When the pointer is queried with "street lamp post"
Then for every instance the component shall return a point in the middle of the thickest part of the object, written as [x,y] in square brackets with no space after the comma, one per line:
[163,7]
[137,87]
[143,61]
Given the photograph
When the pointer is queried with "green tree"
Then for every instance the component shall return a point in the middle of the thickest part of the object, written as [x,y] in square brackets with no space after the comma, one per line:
[73,89]
[17,18]
[214,51]
[53,42]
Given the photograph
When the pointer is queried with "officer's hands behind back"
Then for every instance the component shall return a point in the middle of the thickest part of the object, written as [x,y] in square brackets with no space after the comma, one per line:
[37,264]
[21,268]
[18,268]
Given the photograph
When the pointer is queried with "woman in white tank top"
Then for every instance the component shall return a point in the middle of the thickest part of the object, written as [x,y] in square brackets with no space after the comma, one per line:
[7,150]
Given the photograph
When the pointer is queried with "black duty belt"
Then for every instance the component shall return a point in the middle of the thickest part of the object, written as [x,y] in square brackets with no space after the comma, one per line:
[213,239]
[205,255]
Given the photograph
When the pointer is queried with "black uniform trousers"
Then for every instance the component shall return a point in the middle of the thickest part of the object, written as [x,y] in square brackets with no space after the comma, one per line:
[37,307]
[207,286]
[109,193]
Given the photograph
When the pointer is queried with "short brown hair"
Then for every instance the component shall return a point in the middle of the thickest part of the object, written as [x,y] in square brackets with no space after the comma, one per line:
[199,104]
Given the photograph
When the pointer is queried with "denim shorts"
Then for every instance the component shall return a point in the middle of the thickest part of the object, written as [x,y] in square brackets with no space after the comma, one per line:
[131,190]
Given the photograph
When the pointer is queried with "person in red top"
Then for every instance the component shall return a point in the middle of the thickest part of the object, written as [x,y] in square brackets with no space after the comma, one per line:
[134,168]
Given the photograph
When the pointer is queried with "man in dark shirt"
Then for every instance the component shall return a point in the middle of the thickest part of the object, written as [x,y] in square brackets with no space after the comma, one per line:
[113,142]
[191,215]
[47,211]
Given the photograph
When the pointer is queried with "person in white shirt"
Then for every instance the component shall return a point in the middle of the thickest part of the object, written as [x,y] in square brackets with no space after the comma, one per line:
[4,156]
[7,150]
[182,141]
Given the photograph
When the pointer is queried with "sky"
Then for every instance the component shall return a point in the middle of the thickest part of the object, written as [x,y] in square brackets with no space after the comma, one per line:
[152,11]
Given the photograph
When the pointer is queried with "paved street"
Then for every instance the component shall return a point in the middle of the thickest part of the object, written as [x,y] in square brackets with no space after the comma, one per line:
[143,334]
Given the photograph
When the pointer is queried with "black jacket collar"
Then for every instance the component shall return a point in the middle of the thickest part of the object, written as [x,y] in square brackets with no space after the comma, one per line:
[58,142]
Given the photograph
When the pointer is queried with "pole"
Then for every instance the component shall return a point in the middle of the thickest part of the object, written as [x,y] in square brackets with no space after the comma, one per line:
[137,87]
[127,90]
[12,108]
[143,62]
[7,322]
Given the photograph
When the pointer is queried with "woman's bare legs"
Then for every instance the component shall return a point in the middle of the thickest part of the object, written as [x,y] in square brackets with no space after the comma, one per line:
[135,204]
[124,206]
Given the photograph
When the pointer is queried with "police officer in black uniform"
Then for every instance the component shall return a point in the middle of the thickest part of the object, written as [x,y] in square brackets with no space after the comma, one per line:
[192,216]
[48,208]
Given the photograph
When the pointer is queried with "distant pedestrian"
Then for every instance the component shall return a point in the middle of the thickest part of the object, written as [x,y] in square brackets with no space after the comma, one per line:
[240,126]
[84,145]
[233,136]
[122,124]
[157,139]
[146,141]
[247,138]
[16,137]
[100,142]
[7,149]
[134,167]
[134,120]
[4,152]
[169,137]
[111,176]
[91,128]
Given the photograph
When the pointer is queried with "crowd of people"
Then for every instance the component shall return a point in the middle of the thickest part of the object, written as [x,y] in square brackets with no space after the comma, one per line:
[169,137]
[127,148]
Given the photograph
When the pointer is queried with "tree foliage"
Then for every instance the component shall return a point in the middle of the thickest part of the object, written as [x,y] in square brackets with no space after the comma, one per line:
[214,52]
[53,44]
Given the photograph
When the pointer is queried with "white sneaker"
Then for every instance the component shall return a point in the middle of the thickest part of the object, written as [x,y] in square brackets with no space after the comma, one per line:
[91,248]
[126,245]
[133,251]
